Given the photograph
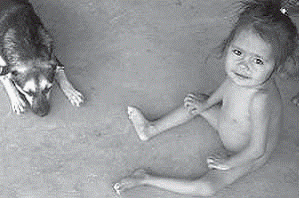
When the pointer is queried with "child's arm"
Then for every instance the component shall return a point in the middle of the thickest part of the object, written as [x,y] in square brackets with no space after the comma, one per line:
[260,115]
[217,96]
[195,106]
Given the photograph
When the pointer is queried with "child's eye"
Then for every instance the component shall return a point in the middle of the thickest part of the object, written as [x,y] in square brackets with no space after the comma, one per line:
[237,52]
[258,61]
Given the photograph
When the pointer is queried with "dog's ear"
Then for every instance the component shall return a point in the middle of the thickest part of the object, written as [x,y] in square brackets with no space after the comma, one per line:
[9,46]
[46,40]
[58,62]
[4,70]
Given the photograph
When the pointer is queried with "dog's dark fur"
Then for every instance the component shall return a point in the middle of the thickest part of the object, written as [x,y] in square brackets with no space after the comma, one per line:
[28,65]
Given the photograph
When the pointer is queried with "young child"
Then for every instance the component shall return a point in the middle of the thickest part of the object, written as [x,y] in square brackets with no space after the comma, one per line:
[248,118]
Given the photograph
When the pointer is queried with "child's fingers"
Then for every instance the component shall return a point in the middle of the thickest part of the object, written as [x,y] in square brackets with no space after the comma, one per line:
[193,96]
[215,163]
[194,111]
[214,157]
[217,166]
[222,167]
[190,97]
[188,100]
[211,159]
[214,166]
[188,103]
[190,108]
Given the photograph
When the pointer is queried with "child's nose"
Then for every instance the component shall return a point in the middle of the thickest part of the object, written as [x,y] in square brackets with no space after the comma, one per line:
[245,62]
[244,65]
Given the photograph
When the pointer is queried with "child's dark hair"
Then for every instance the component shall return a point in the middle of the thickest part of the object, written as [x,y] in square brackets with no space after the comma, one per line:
[267,19]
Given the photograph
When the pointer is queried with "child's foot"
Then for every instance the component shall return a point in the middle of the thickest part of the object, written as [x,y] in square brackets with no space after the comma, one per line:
[295,100]
[130,182]
[142,126]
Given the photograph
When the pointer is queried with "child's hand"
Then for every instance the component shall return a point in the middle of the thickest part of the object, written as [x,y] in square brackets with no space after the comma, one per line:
[217,162]
[193,104]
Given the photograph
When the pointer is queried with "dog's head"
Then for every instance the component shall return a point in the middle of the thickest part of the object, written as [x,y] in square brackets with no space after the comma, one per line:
[32,66]
[35,81]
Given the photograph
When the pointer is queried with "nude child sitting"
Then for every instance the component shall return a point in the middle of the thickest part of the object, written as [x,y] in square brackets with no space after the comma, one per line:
[249,118]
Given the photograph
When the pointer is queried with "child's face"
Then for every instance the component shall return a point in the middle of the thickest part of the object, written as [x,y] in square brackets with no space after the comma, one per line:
[249,60]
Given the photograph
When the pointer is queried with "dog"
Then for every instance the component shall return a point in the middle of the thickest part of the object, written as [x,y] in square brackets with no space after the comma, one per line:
[28,66]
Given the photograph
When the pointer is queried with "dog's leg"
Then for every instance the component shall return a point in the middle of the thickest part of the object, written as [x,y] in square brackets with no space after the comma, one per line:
[17,103]
[74,96]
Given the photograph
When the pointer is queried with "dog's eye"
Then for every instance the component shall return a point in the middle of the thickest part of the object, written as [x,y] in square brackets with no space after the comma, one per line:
[30,93]
[46,90]
[54,67]
[15,73]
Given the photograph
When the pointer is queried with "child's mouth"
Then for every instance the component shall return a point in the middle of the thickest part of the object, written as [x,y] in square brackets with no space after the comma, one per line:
[241,76]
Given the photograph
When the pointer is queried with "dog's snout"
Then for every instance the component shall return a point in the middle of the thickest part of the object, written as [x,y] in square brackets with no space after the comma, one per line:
[40,106]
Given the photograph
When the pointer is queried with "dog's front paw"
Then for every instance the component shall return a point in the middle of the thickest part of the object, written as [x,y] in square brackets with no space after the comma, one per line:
[18,105]
[74,96]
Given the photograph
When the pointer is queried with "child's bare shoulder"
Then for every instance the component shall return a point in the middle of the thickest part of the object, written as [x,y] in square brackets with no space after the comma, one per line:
[265,101]
[260,102]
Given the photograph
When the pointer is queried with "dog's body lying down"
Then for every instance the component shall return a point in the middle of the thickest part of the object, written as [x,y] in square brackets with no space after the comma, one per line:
[28,66]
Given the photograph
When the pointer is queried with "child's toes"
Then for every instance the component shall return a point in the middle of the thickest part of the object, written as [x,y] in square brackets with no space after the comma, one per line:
[124,184]
[130,111]
[295,100]
[117,188]
[130,182]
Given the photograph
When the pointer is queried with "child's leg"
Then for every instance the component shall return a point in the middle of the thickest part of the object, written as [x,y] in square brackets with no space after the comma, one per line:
[182,186]
[207,185]
[140,177]
[146,129]
[212,116]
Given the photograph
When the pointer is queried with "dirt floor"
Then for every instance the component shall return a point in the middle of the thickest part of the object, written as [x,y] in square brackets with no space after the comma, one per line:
[148,54]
